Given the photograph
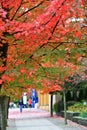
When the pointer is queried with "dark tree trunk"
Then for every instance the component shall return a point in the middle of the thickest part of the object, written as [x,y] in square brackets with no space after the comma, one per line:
[3,99]
[51,105]
[3,57]
[4,102]
[3,51]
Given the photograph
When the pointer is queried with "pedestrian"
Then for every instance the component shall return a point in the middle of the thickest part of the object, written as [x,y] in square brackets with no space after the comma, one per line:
[30,102]
[25,100]
[21,105]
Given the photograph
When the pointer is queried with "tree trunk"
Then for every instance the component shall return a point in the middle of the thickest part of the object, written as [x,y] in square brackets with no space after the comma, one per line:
[64,99]
[3,58]
[4,102]
[51,105]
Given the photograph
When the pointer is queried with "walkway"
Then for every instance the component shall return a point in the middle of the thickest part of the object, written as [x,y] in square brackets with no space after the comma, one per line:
[36,119]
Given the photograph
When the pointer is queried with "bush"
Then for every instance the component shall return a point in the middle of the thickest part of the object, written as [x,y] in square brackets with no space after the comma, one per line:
[78,107]
[58,107]
[70,103]
[83,114]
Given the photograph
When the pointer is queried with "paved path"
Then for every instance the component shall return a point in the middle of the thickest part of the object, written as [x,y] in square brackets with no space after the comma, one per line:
[33,124]
[36,119]
[27,113]
[30,119]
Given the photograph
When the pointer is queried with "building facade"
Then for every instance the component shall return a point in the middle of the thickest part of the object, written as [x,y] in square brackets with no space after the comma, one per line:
[44,100]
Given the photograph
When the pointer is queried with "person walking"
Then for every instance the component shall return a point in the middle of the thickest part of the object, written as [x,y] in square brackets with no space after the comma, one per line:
[25,100]
[30,102]
[21,105]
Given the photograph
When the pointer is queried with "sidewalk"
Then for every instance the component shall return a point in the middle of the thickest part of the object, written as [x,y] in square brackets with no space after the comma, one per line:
[30,119]
[37,119]
[27,113]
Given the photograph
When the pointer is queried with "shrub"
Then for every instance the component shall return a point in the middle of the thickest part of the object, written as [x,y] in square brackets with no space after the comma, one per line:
[78,107]
[83,114]
[70,103]
[58,107]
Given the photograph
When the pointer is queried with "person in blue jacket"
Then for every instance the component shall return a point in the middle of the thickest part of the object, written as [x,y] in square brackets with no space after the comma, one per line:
[21,105]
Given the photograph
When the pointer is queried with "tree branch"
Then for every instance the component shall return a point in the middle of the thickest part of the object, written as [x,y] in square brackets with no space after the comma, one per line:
[17,10]
[31,9]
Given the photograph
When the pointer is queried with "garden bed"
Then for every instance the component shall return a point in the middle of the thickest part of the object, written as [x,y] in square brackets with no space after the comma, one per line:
[75,117]
[70,114]
[80,120]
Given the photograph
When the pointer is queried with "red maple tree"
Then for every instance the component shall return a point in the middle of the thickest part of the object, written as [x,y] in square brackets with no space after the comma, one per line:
[27,26]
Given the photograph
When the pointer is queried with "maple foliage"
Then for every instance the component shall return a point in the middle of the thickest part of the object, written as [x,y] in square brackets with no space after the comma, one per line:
[28,27]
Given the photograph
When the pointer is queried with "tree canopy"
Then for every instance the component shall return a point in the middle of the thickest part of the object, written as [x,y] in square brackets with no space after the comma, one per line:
[41,38]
